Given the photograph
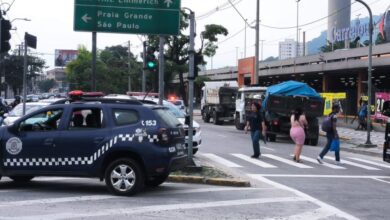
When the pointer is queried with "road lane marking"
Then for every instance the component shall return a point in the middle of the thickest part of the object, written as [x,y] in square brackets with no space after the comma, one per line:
[55,200]
[221,160]
[254,161]
[312,215]
[267,148]
[289,162]
[311,160]
[383,181]
[355,164]
[324,206]
[221,135]
[158,208]
[323,176]
[370,162]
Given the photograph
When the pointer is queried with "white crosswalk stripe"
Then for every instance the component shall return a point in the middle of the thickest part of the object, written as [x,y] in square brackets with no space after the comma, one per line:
[254,161]
[274,159]
[378,164]
[286,161]
[221,160]
[354,164]
[311,160]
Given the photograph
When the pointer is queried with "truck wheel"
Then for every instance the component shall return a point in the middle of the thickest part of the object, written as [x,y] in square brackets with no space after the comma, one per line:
[239,126]
[124,177]
[206,117]
[156,181]
[314,141]
[272,137]
[307,141]
[215,118]
[194,151]
[21,179]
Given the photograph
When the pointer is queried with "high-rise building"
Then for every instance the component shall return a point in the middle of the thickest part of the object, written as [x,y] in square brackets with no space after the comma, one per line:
[288,49]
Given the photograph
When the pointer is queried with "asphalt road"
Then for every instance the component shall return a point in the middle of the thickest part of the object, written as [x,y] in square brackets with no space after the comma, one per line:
[280,190]
[359,187]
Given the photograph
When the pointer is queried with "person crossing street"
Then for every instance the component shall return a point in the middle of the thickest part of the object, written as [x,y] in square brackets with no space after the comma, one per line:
[255,123]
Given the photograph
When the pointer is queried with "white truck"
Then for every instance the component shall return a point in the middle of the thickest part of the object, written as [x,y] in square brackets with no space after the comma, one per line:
[245,96]
[218,101]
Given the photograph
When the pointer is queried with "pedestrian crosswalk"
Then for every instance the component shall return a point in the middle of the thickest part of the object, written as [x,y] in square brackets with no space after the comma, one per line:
[272,161]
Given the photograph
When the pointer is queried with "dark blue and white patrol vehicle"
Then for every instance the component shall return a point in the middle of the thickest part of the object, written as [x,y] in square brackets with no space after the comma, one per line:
[124,142]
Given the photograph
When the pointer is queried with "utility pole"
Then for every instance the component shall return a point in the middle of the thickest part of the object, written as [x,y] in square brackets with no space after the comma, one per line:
[257,43]
[297,49]
[304,43]
[262,42]
[129,66]
[246,20]
[25,77]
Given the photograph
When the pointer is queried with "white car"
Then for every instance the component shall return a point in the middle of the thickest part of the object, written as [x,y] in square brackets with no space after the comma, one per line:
[17,112]
[197,133]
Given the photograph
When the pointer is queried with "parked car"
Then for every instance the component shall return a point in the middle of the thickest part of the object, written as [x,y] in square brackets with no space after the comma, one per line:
[32,98]
[17,112]
[180,115]
[179,104]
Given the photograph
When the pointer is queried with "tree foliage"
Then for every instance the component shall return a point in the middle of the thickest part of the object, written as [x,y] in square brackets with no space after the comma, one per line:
[14,68]
[46,85]
[112,70]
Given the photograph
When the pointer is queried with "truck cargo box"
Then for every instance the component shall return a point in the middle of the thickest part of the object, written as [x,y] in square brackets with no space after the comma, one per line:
[313,107]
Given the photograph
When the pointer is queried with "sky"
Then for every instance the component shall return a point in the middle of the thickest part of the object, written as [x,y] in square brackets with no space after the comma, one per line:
[52,23]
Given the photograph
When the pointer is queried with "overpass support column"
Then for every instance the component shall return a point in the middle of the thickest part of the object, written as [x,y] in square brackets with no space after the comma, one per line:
[325,85]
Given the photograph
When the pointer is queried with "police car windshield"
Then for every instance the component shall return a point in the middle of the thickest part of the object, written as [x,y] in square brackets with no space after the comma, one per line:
[167,117]
[18,110]
[174,110]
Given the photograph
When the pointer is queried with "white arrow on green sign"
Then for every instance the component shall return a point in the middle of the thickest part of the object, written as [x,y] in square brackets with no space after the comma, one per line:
[159,17]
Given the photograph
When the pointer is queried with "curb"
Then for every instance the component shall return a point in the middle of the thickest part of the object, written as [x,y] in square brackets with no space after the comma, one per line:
[209,181]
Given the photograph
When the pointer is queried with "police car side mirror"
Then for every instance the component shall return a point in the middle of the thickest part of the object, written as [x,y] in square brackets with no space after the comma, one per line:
[187,120]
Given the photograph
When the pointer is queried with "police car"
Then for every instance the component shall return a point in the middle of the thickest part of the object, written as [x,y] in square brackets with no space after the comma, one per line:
[124,142]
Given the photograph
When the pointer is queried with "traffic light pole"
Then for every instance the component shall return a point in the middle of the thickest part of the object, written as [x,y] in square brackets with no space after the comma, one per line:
[144,69]
[161,71]
[129,57]
[25,77]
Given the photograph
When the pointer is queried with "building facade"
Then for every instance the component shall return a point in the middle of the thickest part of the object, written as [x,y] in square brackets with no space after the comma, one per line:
[288,49]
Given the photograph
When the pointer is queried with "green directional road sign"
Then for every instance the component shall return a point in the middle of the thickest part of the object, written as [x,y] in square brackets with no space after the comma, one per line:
[160,17]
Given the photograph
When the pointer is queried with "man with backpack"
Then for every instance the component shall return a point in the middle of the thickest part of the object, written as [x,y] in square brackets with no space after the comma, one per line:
[329,125]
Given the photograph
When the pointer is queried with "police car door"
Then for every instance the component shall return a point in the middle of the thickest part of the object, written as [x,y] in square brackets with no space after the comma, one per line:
[30,142]
[85,134]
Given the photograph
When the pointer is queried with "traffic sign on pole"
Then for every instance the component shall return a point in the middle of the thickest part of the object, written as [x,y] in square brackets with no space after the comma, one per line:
[160,17]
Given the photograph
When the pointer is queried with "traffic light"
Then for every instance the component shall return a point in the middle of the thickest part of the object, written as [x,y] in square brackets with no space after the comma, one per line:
[5,35]
[151,61]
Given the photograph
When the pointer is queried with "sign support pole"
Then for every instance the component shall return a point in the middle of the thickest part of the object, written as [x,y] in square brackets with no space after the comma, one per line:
[94,60]
[161,67]
[191,85]
[129,57]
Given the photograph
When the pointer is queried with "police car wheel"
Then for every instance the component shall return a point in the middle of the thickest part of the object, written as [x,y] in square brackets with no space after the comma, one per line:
[124,177]
[21,179]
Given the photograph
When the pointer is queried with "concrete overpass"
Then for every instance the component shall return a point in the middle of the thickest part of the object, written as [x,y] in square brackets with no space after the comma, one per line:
[339,60]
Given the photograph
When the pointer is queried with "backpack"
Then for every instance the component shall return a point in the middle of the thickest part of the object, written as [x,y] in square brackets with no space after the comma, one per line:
[326,125]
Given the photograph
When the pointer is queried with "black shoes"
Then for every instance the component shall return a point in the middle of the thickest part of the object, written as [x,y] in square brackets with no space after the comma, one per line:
[255,156]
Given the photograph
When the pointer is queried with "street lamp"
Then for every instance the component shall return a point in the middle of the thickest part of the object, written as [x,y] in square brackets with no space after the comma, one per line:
[296,51]
[369,80]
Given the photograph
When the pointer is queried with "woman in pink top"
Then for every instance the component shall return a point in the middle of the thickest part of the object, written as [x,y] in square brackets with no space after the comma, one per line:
[297,132]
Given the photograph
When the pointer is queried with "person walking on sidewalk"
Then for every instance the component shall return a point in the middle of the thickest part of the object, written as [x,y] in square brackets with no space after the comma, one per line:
[363,117]
[331,134]
[255,123]
[297,132]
